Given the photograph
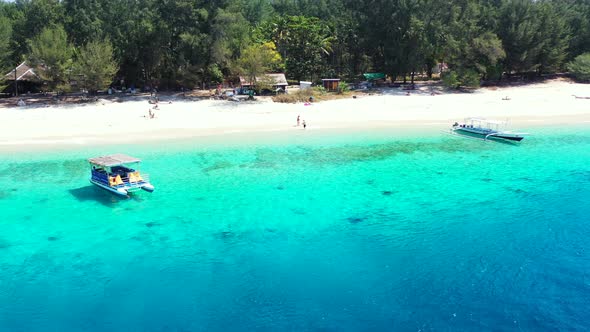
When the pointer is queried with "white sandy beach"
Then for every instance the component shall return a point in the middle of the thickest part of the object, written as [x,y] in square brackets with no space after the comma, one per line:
[550,103]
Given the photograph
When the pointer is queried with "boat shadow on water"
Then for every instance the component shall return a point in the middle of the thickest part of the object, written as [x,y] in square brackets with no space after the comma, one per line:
[96,194]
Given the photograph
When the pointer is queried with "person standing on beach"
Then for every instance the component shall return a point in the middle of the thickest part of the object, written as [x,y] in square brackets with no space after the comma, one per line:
[298,117]
[304,124]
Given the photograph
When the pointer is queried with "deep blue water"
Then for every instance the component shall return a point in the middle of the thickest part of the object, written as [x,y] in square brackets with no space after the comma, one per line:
[342,232]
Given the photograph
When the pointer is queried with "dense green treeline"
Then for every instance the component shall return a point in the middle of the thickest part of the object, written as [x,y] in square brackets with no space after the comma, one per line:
[174,43]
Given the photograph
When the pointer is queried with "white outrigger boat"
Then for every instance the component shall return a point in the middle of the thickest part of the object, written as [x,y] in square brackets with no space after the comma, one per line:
[485,129]
[114,173]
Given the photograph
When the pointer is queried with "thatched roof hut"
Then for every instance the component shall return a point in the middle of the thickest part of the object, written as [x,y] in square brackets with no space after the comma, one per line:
[279,80]
[23,73]
[24,78]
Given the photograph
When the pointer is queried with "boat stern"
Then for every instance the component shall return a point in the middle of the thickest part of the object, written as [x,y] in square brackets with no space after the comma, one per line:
[148,187]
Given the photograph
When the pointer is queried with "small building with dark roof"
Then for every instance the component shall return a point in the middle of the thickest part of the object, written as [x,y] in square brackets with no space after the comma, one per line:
[330,84]
[26,77]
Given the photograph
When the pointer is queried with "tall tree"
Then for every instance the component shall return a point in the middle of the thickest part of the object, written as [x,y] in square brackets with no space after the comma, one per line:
[258,59]
[304,43]
[471,50]
[5,52]
[182,42]
[36,16]
[83,22]
[96,64]
[580,67]
[5,36]
[230,33]
[518,30]
[553,36]
[256,11]
[53,53]
[576,14]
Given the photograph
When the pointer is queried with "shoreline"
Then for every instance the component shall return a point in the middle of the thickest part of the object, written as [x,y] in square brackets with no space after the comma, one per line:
[39,128]
[266,136]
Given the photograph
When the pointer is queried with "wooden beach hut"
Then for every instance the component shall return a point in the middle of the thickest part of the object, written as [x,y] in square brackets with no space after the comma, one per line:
[22,79]
[330,84]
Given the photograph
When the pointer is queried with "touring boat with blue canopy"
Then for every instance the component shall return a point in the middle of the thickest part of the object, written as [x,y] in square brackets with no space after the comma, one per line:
[119,174]
[485,129]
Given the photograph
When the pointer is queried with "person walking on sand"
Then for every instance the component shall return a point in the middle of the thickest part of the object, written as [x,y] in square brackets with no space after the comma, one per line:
[298,118]
[304,124]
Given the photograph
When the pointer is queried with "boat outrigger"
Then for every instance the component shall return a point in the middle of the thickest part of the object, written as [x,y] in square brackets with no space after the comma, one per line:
[114,173]
[485,129]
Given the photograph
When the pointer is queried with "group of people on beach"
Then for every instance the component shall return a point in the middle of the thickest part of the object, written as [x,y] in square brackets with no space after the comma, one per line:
[151,111]
[300,123]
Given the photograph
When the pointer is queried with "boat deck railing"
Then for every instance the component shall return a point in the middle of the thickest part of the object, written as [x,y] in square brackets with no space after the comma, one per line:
[145,178]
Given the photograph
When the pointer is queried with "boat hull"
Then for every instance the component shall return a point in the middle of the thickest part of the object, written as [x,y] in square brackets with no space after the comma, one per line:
[148,187]
[117,191]
[510,138]
[487,135]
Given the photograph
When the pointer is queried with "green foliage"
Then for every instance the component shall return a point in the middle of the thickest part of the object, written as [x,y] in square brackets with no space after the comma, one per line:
[5,35]
[343,87]
[256,11]
[83,22]
[32,18]
[95,63]
[518,29]
[555,37]
[576,15]
[461,78]
[535,35]
[486,51]
[580,67]
[51,51]
[471,50]
[258,59]
[451,79]
[229,34]
[319,90]
[470,78]
[304,43]
[494,72]
[188,42]
[214,73]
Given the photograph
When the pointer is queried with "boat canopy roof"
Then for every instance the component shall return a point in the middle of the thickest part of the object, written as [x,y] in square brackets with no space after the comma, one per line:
[483,120]
[113,160]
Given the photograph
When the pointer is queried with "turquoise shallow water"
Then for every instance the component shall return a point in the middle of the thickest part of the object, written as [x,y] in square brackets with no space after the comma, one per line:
[339,232]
